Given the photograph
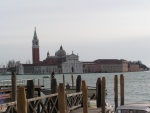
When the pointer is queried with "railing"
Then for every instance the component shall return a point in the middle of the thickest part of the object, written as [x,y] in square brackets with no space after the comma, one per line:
[74,100]
[46,104]
[21,82]
[8,108]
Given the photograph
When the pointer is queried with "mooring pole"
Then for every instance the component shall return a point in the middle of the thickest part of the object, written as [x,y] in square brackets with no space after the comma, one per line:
[98,92]
[116,91]
[61,98]
[121,89]
[14,87]
[21,100]
[103,94]
[78,83]
[72,81]
[85,97]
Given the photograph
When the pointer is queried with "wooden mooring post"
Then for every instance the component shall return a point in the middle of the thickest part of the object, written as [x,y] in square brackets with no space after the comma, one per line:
[14,87]
[21,100]
[103,94]
[30,89]
[98,92]
[72,81]
[61,98]
[30,92]
[78,83]
[54,90]
[121,89]
[116,91]
[53,86]
[85,97]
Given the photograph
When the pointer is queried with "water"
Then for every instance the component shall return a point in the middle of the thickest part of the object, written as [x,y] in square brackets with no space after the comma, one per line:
[137,84]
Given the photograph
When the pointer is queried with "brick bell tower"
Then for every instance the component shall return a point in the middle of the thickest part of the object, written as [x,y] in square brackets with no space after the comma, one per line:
[35,49]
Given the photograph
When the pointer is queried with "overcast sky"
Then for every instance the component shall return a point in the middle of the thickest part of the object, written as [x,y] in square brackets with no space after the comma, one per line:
[93,29]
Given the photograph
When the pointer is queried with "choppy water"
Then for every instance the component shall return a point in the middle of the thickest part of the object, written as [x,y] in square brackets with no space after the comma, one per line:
[137,84]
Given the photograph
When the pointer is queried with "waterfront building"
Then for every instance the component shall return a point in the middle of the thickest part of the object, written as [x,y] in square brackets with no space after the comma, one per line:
[3,70]
[58,63]
[133,67]
[62,63]
[19,68]
[112,65]
[91,67]
[106,66]
[72,64]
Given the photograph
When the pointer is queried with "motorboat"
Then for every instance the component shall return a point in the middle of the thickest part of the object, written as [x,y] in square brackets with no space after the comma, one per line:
[134,108]
[72,89]
[45,76]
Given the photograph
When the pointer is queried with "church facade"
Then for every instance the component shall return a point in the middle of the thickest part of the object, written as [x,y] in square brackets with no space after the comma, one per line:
[72,64]
[58,63]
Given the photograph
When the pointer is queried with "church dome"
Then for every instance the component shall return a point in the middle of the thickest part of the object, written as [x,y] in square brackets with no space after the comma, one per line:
[60,52]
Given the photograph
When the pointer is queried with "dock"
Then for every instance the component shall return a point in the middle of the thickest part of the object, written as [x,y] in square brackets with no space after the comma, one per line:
[59,101]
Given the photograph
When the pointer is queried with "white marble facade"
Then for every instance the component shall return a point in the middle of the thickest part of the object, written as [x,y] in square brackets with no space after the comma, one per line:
[72,64]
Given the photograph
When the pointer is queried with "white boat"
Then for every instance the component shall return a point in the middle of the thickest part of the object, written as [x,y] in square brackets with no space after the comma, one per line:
[134,108]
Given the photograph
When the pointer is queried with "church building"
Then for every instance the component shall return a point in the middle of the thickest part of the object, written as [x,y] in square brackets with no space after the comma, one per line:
[59,63]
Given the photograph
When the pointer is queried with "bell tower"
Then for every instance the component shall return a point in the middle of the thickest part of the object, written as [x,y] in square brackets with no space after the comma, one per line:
[35,49]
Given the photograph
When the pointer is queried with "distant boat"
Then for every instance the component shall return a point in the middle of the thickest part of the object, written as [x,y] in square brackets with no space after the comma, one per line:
[46,77]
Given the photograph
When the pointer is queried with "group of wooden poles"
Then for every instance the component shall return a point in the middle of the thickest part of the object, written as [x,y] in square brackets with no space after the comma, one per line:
[100,93]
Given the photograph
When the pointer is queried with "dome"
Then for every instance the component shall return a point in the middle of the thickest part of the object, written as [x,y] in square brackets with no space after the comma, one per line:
[60,52]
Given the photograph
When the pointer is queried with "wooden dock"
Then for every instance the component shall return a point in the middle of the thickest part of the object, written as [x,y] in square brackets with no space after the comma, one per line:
[58,101]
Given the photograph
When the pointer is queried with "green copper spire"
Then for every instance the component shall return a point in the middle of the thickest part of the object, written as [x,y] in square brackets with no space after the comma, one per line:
[35,35]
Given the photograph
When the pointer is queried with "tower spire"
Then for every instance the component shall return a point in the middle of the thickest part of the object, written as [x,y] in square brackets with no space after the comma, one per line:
[35,35]
[35,48]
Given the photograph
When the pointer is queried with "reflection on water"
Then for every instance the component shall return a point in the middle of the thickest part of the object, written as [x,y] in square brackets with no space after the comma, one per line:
[137,84]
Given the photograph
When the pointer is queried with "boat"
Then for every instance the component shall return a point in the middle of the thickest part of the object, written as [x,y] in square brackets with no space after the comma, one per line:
[46,77]
[134,108]
[72,89]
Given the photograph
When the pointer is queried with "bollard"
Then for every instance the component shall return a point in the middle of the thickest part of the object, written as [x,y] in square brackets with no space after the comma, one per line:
[121,89]
[98,92]
[72,81]
[85,97]
[14,87]
[103,94]
[61,98]
[78,83]
[21,100]
[116,91]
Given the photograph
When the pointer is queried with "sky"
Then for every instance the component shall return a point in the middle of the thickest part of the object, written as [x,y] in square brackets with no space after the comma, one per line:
[93,29]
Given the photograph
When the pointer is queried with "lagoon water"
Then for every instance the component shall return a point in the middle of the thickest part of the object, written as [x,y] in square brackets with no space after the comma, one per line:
[137,84]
